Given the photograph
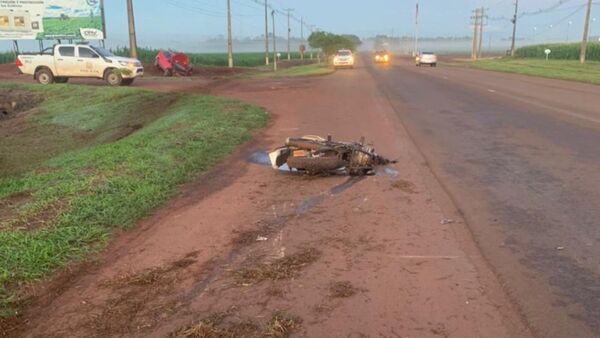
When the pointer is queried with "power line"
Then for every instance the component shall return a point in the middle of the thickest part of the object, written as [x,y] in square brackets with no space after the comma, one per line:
[545,10]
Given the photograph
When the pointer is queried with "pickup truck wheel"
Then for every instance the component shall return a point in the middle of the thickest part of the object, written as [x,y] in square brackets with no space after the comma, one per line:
[113,78]
[44,76]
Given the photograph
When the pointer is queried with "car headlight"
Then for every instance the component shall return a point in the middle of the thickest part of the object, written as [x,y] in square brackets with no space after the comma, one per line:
[128,64]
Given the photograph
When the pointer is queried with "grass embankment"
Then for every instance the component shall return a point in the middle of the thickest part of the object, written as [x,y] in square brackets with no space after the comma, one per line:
[107,174]
[298,71]
[257,59]
[554,69]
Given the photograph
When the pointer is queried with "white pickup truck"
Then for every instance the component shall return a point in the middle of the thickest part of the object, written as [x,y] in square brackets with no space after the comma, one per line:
[64,61]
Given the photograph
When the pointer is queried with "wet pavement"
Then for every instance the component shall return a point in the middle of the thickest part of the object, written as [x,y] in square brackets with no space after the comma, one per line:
[519,157]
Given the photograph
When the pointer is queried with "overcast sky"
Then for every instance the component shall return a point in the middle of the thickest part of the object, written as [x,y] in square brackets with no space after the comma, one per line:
[161,22]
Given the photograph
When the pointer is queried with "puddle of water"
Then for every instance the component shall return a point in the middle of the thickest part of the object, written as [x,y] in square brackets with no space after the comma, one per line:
[388,172]
[310,203]
[314,201]
[262,158]
[340,188]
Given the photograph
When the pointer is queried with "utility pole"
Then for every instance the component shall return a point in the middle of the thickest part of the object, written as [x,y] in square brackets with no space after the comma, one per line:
[302,37]
[229,37]
[475,34]
[274,43]
[416,51]
[481,23]
[266,33]
[132,40]
[586,31]
[514,35]
[288,34]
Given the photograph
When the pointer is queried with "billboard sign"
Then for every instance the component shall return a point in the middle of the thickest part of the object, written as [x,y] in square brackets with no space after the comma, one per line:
[51,19]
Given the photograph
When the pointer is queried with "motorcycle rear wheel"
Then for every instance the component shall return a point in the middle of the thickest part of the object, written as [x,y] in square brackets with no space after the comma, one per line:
[316,164]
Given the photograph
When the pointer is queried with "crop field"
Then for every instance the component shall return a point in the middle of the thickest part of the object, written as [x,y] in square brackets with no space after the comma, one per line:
[148,55]
[560,51]
[7,57]
[69,27]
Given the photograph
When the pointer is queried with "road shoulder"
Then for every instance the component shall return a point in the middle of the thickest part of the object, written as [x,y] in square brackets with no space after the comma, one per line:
[382,255]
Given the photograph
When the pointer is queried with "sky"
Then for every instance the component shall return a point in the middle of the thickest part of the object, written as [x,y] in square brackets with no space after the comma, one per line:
[185,24]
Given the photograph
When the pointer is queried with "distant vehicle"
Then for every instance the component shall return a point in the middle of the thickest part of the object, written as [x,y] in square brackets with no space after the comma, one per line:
[382,56]
[64,61]
[173,63]
[426,58]
[343,58]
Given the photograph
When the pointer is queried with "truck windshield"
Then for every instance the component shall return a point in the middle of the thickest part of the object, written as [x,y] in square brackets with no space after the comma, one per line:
[105,53]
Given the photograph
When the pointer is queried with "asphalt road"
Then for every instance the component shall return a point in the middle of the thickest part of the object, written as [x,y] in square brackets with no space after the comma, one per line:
[520,157]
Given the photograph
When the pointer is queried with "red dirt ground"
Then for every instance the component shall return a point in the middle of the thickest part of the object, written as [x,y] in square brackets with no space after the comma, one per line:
[371,257]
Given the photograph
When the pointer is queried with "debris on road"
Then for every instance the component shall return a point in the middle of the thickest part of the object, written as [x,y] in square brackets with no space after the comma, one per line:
[446,221]
[316,155]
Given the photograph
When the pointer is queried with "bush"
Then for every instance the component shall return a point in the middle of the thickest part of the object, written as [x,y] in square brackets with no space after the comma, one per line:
[330,43]
[560,51]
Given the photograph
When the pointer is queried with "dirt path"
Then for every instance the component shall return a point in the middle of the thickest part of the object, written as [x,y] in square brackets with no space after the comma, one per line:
[248,251]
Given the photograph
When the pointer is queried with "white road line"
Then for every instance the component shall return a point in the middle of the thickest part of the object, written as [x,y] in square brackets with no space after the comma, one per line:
[491,91]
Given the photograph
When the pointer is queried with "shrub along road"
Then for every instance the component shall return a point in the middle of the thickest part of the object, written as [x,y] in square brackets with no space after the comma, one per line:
[249,251]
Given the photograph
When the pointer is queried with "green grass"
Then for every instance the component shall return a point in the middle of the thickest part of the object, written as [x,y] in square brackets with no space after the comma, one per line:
[298,71]
[560,51]
[554,69]
[257,59]
[82,195]
[55,28]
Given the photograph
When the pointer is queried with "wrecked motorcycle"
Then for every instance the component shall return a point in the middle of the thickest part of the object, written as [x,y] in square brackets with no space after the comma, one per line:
[317,155]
